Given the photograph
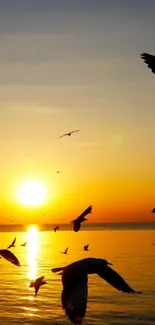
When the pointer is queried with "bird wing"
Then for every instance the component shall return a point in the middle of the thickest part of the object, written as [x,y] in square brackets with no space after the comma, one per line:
[149,60]
[63,135]
[9,256]
[113,278]
[66,250]
[39,280]
[74,131]
[85,212]
[74,298]
[57,269]
[14,241]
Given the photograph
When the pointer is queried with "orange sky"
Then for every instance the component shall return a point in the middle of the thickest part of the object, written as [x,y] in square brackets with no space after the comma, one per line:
[74,68]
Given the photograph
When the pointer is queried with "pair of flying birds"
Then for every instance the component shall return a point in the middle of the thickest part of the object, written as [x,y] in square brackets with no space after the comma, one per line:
[13,244]
[85,248]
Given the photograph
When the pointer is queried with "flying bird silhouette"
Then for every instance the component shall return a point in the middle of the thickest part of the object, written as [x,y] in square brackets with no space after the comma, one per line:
[24,245]
[86,248]
[153,211]
[66,251]
[9,256]
[37,284]
[56,228]
[149,60]
[77,222]
[13,244]
[75,285]
[59,171]
[68,134]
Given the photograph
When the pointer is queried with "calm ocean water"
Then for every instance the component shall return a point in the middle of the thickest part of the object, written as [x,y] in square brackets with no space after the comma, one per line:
[130,251]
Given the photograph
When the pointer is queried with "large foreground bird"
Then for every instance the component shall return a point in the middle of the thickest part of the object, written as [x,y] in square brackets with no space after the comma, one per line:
[149,60]
[77,222]
[9,256]
[75,285]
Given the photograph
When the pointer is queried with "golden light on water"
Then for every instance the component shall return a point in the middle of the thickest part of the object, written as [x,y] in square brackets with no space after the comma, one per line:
[33,241]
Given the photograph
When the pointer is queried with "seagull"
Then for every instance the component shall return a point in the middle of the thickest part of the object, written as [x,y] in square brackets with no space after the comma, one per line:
[75,285]
[153,211]
[56,228]
[9,256]
[37,284]
[149,60]
[13,244]
[77,222]
[24,245]
[66,251]
[69,133]
[86,248]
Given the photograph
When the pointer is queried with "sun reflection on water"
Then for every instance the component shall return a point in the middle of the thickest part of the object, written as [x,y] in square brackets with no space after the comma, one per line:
[32,244]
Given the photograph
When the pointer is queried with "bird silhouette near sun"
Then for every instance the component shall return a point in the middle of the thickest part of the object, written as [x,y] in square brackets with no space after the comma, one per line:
[77,222]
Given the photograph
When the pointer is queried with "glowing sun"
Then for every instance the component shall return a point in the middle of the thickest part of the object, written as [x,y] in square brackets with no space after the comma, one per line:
[32,193]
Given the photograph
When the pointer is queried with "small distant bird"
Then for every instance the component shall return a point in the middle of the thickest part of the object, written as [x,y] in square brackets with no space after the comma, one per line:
[153,211]
[75,285]
[56,228]
[24,245]
[86,248]
[37,284]
[59,171]
[9,256]
[77,222]
[69,133]
[149,60]
[66,251]
[13,244]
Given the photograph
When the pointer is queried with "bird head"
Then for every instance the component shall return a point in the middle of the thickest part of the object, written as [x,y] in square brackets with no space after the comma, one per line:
[31,284]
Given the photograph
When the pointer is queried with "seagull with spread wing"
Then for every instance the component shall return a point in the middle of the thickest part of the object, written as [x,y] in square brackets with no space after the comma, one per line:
[85,248]
[56,228]
[9,256]
[68,134]
[13,243]
[77,222]
[37,284]
[75,285]
[24,245]
[65,252]
[149,59]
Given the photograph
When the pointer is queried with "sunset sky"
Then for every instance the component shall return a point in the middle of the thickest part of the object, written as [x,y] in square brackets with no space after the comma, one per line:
[68,65]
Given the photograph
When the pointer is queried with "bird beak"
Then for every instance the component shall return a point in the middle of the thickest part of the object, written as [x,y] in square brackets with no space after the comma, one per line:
[109,263]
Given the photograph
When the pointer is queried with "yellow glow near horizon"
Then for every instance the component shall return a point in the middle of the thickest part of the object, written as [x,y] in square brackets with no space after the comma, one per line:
[32,193]
[32,240]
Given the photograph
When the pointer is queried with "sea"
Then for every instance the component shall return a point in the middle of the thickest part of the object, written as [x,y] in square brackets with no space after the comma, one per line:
[129,247]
